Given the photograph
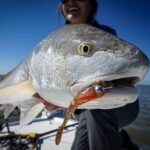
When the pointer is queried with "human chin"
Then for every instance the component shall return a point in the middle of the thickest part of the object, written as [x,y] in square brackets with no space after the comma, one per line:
[74,19]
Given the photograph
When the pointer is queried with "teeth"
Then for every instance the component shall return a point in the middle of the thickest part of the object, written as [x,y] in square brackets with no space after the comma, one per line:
[73,9]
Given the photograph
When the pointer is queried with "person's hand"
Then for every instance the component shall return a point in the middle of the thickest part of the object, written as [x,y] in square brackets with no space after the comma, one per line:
[47,104]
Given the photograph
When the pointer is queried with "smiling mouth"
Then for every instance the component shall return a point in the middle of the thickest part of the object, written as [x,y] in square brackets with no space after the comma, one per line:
[73,10]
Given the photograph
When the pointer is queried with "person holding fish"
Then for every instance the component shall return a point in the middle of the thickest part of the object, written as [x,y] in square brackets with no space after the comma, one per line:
[99,128]
[84,66]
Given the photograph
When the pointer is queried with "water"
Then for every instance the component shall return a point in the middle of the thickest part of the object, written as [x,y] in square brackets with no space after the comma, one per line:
[143,120]
[139,130]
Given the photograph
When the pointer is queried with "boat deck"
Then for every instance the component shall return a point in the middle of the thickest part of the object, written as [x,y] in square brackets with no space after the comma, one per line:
[45,125]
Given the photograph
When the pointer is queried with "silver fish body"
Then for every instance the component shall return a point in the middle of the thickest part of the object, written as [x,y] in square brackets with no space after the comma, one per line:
[75,57]
[59,72]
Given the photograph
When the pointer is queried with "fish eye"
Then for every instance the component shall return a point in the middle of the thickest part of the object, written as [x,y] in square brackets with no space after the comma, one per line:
[85,49]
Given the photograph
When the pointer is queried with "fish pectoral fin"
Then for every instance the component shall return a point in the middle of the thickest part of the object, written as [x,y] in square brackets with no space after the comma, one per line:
[8,108]
[16,93]
[29,110]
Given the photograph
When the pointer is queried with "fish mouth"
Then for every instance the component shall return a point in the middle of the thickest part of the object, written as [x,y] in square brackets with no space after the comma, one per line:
[106,83]
[124,82]
[119,90]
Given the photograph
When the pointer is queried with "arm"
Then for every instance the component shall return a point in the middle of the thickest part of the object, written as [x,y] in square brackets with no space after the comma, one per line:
[47,104]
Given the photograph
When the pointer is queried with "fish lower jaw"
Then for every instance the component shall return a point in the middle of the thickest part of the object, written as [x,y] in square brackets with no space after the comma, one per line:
[113,81]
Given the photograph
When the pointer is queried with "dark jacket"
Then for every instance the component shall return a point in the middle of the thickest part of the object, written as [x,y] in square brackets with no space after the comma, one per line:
[105,28]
